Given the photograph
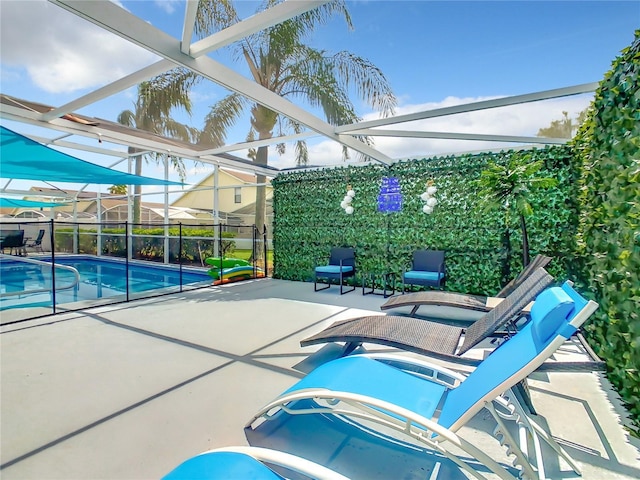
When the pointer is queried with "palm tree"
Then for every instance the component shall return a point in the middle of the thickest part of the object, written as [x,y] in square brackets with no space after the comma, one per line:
[509,185]
[279,61]
[154,104]
[118,189]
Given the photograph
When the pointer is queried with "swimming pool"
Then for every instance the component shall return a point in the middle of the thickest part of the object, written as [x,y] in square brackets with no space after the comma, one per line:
[100,278]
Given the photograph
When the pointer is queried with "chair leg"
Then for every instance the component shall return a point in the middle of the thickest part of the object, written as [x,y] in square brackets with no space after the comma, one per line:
[315,284]
[342,291]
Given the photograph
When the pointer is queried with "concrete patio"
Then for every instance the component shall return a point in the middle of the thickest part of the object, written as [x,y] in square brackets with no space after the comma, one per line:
[131,390]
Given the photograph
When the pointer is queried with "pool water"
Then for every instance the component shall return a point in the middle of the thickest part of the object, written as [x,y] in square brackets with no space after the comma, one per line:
[99,278]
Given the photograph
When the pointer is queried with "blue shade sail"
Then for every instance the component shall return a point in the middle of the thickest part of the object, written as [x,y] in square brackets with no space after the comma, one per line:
[16,203]
[25,159]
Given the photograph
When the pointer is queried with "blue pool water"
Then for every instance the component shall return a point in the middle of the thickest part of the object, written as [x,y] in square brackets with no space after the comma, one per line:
[99,278]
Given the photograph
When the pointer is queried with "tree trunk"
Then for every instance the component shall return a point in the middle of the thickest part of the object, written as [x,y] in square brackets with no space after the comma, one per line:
[525,241]
[506,266]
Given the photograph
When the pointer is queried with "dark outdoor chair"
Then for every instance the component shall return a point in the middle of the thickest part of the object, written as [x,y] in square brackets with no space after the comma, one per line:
[14,241]
[342,264]
[462,301]
[427,269]
[37,243]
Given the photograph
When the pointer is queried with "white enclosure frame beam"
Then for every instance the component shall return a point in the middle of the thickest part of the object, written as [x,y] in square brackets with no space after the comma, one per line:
[268,18]
[110,89]
[190,13]
[259,143]
[25,116]
[458,136]
[117,20]
[470,107]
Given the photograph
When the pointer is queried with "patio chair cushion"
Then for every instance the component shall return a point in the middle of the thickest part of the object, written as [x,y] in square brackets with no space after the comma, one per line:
[353,375]
[551,308]
[333,269]
[422,275]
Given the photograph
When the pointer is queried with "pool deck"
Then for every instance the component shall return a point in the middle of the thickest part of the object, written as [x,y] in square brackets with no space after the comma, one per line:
[129,391]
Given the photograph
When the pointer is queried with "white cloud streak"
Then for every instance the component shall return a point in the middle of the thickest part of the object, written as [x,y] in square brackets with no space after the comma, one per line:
[516,120]
[61,53]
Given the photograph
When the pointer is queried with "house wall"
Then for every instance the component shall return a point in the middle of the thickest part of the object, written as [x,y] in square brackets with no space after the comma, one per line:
[203,199]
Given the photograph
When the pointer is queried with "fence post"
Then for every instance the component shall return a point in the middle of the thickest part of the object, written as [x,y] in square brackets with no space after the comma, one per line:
[127,256]
[53,266]
[265,246]
[180,253]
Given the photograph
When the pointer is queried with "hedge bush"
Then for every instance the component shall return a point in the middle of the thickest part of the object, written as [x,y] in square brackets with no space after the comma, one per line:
[608,149]
[309,219]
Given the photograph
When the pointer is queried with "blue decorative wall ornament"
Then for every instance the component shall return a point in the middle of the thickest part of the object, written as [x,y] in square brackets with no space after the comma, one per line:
[390,197]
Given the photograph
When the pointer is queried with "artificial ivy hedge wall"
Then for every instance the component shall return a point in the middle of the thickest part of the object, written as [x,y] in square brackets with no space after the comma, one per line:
[309,219]
[609,234]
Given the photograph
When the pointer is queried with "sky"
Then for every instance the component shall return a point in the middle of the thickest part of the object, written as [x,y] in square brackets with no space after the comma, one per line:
[433,54]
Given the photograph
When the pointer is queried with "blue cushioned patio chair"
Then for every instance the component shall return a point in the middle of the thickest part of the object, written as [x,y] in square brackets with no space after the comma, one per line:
[342,264]
[427,270]
[430,403]
[458,303]
[247,463]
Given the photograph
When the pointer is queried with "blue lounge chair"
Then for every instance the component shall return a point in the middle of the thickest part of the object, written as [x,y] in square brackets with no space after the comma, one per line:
[430,403]
[247,463]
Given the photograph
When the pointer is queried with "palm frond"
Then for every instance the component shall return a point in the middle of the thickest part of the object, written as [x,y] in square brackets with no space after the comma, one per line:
[370,83]
[215,15]
[127,118]
[222,116]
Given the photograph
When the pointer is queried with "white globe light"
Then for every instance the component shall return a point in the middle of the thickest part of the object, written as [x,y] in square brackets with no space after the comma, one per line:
[424,197]
[432,202]
[349,210]
[347,199]
[427,209]
[432,190]
[351,193]
[343,205]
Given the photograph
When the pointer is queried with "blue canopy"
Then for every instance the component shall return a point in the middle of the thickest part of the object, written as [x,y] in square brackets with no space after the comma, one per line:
[18,203]
[23,158]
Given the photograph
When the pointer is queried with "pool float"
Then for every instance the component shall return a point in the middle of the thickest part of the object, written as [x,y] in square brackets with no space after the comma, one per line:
[233,270]
[235,274]
[226,262]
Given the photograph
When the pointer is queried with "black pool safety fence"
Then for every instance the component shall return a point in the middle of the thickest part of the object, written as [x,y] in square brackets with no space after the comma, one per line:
[53,266]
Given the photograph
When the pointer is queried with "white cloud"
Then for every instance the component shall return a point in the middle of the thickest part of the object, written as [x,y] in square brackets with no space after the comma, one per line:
[169,6]
[516,120]
[61,52]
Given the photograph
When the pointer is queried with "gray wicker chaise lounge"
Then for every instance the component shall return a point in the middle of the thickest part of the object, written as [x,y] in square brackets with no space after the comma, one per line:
[460,300]
[434,339]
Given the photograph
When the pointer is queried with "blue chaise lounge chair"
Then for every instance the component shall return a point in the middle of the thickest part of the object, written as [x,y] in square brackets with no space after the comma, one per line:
[430,403]
[245,463]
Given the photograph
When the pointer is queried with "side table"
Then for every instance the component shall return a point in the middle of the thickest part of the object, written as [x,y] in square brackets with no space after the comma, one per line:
[387,279]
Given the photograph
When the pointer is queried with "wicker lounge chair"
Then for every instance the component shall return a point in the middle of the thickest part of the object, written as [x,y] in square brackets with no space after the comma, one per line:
[461,300]
[246,463]
[430,404]
[431,338]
